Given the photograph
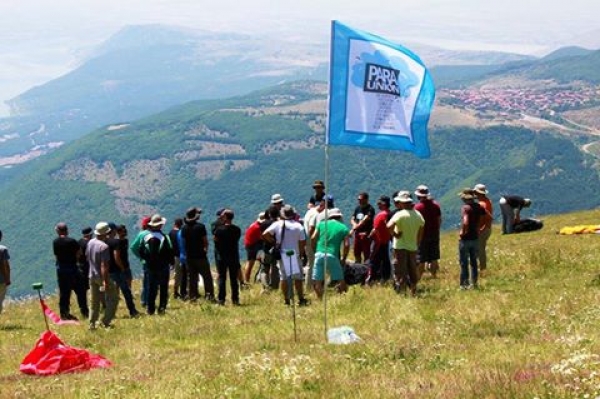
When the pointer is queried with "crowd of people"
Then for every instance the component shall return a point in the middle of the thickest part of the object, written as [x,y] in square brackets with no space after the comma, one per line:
[295,253]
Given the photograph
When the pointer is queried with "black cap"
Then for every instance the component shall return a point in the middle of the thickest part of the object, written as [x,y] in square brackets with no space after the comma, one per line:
[86,231]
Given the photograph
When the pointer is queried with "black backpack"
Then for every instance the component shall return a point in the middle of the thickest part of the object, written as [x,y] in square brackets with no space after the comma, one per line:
[526,225]
[157,252]
[356,273]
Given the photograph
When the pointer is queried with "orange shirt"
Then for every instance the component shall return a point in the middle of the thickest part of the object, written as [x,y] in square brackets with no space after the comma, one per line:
[486,221]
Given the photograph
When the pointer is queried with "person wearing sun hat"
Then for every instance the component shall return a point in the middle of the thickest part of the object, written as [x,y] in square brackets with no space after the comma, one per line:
[468,243]
[135,249]
[194,249]
[157,251]
[511,206]
[485,223]
[98,256]
[290,237]
[406,229]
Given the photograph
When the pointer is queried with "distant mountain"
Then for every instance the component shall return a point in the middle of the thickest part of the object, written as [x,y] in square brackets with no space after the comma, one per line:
[564,66]
[237,152]
[565,52]
[584,67]
[145,69]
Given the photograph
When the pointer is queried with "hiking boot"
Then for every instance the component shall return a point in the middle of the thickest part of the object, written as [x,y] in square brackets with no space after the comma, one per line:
[161,311]
[236,303]
[303,302]
[287,302]
[221,302]
[68,316]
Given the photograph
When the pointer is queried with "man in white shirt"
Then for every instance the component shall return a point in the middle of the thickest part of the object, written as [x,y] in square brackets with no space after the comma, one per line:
[289,236]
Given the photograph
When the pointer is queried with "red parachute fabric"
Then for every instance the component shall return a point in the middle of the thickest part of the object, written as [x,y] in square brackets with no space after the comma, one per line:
[51,356]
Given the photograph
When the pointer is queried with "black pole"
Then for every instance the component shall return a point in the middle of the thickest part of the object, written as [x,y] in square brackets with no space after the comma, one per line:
[290,253]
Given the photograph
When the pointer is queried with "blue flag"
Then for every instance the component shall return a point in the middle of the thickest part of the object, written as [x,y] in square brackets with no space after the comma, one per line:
[380,93]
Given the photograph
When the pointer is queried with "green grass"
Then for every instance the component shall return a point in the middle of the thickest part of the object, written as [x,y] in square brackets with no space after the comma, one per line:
[530,331]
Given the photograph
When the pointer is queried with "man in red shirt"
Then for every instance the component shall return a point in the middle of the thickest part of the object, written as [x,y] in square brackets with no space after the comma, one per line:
[429,248]
[380,269]
[253,243]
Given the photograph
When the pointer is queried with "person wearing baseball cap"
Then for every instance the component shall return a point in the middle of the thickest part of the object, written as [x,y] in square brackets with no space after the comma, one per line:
[194,237]
[468,244]
[135,247]
[429,248]
[485,223]
[98,256]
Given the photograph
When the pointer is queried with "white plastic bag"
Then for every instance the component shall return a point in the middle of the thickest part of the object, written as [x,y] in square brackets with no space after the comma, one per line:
[342,335]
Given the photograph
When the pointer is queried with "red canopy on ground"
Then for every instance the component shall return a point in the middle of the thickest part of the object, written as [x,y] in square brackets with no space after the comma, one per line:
[51,356]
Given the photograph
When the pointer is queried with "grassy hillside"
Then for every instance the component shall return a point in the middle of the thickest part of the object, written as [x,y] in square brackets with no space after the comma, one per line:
[239,152]
[529,331]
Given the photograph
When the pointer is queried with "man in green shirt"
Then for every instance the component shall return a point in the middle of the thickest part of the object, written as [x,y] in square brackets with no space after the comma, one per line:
[334,233]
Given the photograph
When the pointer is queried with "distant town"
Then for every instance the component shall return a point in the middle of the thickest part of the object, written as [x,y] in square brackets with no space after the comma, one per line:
[512,103]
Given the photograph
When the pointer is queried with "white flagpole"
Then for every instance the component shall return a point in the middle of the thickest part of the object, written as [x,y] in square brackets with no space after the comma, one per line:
[327,178]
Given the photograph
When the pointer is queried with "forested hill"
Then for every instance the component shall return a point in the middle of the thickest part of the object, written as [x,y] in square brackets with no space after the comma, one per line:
[236,153]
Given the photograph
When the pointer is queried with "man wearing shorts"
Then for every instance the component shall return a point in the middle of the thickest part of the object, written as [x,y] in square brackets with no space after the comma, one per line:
[289,235]
[334,233]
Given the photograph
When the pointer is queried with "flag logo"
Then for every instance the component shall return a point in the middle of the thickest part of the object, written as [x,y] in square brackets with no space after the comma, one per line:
[381,79]
[381,94]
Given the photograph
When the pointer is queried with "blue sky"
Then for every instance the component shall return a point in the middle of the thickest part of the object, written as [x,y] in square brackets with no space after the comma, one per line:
[44,39]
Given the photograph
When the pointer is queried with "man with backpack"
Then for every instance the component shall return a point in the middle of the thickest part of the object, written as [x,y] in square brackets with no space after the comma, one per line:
[157,252]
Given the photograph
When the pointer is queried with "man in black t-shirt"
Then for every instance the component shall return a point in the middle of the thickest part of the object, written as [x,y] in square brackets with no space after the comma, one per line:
[227,236]
[319,194]
[119,265]
[362,224]
[66,251]
[195,248]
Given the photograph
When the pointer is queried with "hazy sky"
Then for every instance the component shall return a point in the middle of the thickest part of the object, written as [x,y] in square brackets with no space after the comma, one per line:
[44,39]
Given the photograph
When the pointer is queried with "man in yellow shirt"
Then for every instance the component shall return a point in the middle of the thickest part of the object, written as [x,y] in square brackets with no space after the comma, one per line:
[406,228]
